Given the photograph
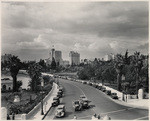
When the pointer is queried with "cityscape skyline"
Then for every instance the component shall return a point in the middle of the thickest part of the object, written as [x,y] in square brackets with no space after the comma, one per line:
[92,29]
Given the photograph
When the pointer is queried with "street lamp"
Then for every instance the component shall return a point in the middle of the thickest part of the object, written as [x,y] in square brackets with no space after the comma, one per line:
[42,84]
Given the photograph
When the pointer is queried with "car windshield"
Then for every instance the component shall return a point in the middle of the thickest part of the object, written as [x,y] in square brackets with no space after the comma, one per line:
[82,96]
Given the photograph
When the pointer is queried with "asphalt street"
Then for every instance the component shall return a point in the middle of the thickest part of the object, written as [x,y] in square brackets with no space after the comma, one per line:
[100,104]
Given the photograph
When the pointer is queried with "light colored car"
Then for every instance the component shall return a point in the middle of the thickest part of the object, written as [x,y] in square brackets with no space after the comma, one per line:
[60,111]
[83,97]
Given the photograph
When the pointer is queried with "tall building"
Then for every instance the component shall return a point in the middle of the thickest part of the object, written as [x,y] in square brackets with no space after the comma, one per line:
[52,53]
[109,57]
[74,58]
[57,55]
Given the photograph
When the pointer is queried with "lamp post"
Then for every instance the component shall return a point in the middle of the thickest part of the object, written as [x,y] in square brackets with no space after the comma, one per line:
[42,84]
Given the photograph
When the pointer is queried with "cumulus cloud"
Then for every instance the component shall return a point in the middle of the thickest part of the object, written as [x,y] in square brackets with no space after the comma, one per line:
[91,28]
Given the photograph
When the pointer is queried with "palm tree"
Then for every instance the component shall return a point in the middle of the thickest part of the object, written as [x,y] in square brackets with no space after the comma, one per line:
[34,72]
[14,66]
[120,62]
[138,64]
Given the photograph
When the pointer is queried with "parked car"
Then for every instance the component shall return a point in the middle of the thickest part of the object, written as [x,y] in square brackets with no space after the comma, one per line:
[60,111]
[59,94]
[77,105]
[90,83]
[94,85]
[99,87]
[114,96]
[108,92]
[56,101]
[84,82]
[103,89]
[61,88]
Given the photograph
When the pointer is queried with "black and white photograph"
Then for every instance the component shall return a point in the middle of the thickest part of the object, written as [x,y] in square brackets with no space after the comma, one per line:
[74,60]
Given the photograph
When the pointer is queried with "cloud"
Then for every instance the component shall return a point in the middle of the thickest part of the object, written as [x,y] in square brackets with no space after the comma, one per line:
[91,28]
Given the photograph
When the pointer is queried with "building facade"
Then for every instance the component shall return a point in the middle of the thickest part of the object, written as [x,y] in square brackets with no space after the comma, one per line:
[6,84]
[74,58]
[109,57]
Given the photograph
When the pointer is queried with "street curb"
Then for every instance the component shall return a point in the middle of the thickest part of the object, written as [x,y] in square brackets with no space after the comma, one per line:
[46,113]
[129,105]
[125,104]
[48,109]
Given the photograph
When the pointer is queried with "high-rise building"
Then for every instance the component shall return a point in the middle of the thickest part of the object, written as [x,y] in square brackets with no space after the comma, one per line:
[57,55]
[74,58]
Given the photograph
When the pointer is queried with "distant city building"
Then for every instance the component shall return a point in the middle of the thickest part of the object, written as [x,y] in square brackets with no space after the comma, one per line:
[57,55]
[109,57]
[48,61]
[74,58]
[64,63]
[5,57]
[6,84]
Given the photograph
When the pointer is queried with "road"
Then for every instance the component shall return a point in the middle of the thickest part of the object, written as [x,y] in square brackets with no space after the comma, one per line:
[101,104]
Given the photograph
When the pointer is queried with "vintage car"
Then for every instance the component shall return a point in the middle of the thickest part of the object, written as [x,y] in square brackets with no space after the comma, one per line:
[108,92]
[59,94]
[85,103]
[60,88]
[99,87]
[77,105]
[56,101]
[60,112]
[114,96]
[103,89]
[94,85]
[83,97]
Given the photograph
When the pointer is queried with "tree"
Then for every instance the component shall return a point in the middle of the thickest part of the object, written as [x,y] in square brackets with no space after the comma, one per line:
[34,72]
[14,66]
[138,64]
[120,62]
[53,64]
[42,64]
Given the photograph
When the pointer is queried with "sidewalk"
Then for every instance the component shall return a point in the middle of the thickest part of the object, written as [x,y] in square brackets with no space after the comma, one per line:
[139,103]
[46,105]
[135,103]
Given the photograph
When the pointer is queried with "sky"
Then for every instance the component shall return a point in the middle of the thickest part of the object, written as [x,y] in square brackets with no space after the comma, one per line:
[93,29]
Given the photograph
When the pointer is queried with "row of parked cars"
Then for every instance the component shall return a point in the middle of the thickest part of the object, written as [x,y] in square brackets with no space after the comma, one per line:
[60,111]
[100,87]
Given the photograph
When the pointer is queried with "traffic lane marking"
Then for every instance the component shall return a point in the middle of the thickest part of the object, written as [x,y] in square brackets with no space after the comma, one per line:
[118,111]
